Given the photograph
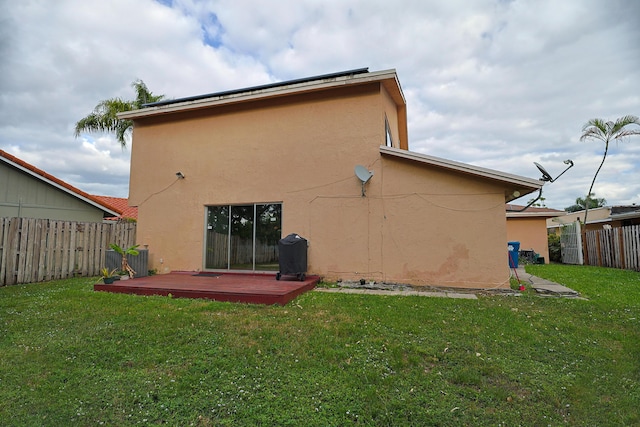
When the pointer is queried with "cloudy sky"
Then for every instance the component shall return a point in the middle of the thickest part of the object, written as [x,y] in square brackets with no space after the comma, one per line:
[494,83]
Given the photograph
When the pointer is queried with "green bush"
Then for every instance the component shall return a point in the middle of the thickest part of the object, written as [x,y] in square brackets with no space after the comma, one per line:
[555,254]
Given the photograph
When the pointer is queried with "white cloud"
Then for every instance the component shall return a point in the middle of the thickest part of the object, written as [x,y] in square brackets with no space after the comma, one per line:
[495,83]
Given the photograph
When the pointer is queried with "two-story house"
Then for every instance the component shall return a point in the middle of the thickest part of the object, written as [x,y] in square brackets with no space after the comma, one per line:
[219,178]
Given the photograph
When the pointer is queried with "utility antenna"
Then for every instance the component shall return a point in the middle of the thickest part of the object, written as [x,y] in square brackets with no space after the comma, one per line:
[546,177]
[364,176]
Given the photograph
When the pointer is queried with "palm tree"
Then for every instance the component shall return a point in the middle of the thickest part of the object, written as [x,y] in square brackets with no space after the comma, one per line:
[104,118]
[606,132]
[592,201]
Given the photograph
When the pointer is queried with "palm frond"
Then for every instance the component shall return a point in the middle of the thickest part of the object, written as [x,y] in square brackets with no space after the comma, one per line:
[605,132]
[104,117]
[143,94]
[593,133]
[597,123]
[618,130]
[123,129]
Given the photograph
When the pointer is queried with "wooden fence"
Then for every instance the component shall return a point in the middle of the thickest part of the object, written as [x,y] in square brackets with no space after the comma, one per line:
[35,250]
[617,247]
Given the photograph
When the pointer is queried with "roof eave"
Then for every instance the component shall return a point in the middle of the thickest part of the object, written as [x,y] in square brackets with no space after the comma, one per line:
[387,77]
[530,215]
[626,215]
[516,183]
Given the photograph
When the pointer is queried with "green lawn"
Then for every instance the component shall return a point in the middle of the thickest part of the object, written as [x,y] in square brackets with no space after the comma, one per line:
[71,356]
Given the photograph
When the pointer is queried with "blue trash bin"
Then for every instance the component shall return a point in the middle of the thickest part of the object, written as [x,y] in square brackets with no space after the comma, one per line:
[514,250]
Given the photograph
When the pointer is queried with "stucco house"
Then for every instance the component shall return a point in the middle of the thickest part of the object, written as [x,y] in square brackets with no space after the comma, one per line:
[529,227]
[218,179]
[29,192]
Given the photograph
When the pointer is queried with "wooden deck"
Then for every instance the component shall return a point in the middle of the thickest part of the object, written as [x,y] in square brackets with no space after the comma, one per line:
[233,287]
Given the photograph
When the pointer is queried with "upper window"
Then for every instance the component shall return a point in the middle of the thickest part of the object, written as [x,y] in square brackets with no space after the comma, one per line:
[387,131]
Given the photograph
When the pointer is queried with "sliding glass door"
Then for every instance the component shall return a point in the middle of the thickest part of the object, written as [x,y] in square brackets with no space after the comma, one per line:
[243,237]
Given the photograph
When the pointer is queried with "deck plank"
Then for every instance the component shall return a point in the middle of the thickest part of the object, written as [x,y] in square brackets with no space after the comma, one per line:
[232,287]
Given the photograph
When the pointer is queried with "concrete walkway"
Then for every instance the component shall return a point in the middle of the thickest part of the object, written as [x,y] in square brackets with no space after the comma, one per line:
[541,286]
[430,293]
[544,287]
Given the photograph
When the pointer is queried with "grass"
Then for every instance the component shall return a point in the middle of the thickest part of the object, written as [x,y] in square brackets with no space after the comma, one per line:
[71,356]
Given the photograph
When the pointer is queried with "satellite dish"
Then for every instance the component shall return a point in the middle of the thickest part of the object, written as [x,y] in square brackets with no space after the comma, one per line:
[546,176]
[363,174]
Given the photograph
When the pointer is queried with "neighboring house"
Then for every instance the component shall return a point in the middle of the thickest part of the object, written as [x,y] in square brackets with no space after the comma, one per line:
[622,216]
[598,218]
[529,227]
[218,179]
[29,192]
[129,213]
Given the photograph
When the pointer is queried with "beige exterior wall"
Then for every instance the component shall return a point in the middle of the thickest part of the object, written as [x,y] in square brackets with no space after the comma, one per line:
[416,225]
[531,233]
[442,228]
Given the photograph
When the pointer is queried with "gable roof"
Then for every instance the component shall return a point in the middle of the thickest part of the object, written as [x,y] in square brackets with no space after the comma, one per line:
[387,78]
[51,180]
[513,183]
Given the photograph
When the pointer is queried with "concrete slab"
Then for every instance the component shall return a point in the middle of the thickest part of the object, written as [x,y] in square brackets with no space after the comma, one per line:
[543,286]
[343,290]
[461,295]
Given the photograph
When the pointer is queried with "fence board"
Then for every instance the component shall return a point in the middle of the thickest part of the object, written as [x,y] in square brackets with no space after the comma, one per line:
[83,250]
[616,247]
[38,256]
[34,250]
[56,255]
[12,254]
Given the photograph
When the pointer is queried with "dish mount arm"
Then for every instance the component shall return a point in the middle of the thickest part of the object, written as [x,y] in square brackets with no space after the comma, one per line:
[546,177]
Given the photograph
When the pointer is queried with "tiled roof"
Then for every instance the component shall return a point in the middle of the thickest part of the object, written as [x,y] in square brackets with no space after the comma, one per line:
[123,206]
[58,182]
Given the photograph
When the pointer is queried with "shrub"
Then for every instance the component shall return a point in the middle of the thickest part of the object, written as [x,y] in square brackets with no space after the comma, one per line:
[555,254]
